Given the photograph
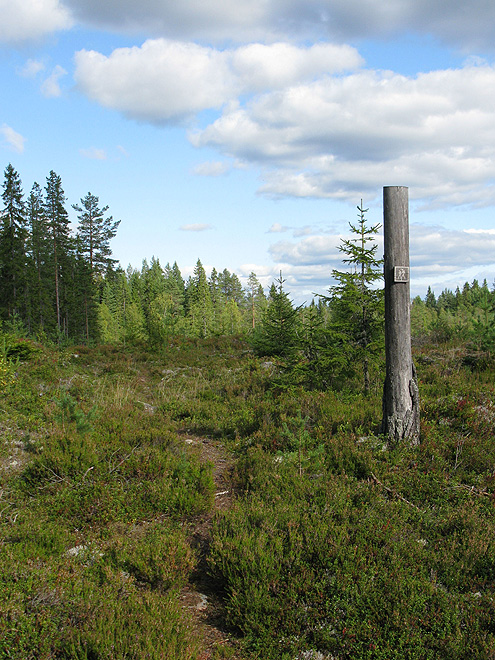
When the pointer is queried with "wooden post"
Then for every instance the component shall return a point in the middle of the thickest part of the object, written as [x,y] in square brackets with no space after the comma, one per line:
[400,395]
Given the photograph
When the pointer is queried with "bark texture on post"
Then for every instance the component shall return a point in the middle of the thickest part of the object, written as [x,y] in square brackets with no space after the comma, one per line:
[400,394]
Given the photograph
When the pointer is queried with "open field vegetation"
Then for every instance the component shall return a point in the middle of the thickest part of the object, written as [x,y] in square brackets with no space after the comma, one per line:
[335,546]
[129,398]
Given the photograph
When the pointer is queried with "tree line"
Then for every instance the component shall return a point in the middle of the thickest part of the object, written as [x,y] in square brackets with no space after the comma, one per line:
[467,314]
[50,277]
[64,285]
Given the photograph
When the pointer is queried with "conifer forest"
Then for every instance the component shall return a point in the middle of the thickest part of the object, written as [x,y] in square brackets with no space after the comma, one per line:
[192,468]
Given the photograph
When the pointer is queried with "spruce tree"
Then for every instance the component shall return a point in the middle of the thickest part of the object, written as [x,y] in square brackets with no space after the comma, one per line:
[256,298]
[155,302]
[134,318]
[112,319]
[174,300]
[356,304]
[200,306]
[277,333]
[57,221]
[13,236]
[38,257]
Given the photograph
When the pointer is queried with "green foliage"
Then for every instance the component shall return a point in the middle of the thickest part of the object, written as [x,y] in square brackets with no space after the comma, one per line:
[12,249]
[71,413]
[276,334]
[466,315]
[335,545]
[94,516]
[356,305]
[6,374]
[368,552]
[95,233]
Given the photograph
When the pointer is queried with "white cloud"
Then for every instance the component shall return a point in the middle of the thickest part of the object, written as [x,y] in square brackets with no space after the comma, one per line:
[211,168]
[277,228]
[31,68]
[51,87]
[25,20]
[13,140]
[93,153]
[161,81]
[318,126]
[448,250]
[167,81]
[459,23]
[260,67]
[480,231]
[440,257]
[345,137]
[311,251]
[196,227]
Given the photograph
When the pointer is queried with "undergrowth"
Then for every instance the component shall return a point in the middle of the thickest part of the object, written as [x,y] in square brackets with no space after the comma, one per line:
[336,546]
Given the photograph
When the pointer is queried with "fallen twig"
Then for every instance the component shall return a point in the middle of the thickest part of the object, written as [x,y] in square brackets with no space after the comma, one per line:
[394,493]
[474,490]
[126,458]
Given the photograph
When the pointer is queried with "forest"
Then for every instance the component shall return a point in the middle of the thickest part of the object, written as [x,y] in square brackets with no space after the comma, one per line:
[192,469]
[64,286]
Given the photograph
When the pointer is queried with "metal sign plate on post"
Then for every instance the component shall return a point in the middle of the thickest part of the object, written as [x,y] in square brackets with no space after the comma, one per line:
[401,274]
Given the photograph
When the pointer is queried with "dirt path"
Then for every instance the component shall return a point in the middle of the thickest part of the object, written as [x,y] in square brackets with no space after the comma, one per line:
[201,597]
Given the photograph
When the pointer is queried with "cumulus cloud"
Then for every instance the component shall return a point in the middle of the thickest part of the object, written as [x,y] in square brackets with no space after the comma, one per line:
[345,136]
[160,82]
[13,140]
[167,81]
[440,257]
[25,20]
[196,227]
[440,250]
[461,24]
[260,67]
[311,251]
[317,124]
[51,86]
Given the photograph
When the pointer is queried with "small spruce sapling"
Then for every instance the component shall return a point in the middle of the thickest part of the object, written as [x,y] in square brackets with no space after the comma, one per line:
[356,303]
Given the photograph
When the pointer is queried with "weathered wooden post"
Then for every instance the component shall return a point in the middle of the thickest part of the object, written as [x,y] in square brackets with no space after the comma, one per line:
[400,394]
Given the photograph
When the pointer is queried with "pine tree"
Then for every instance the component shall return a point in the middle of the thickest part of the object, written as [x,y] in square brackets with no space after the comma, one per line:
[83,295]
[231,287]
[13,236]
[95,233]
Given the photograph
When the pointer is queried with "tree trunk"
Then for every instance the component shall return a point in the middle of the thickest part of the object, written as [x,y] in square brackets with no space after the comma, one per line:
[400,396]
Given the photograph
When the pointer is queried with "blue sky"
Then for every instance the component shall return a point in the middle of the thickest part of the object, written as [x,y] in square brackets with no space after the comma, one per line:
[246,132]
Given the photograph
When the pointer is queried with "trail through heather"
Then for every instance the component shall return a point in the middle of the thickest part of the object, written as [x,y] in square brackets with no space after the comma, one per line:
[201,596]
